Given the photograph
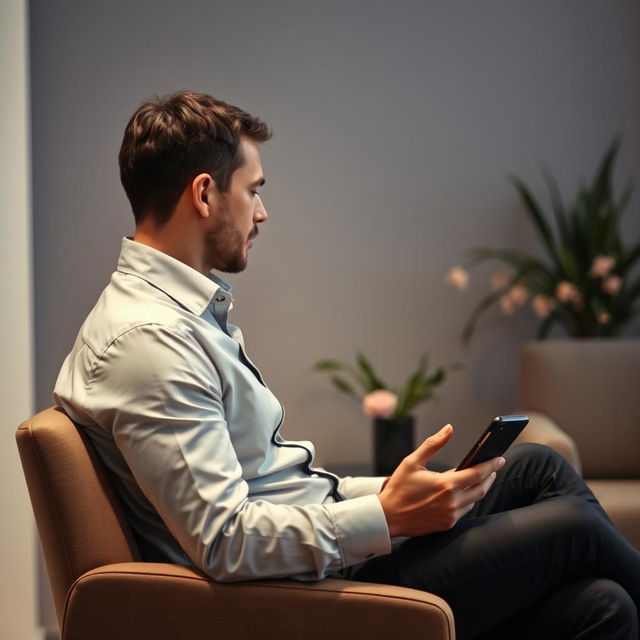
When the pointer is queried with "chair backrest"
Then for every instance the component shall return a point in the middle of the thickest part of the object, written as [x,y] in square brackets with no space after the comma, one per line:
[79,517]
[590,389]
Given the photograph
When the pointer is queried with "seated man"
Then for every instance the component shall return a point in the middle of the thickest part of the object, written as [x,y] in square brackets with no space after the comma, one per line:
[162,384]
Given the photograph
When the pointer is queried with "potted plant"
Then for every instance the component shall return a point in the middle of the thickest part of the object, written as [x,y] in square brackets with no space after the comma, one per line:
[584,280]
[389,407]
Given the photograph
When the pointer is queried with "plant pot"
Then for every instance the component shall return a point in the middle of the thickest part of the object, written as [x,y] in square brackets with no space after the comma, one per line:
[392,441]
[588,388]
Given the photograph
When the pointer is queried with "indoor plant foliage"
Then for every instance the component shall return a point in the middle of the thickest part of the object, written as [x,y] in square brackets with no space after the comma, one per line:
[393,437]
[361,382]
[584,282]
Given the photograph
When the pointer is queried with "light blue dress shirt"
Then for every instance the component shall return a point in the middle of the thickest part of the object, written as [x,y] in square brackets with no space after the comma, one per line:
[161,382]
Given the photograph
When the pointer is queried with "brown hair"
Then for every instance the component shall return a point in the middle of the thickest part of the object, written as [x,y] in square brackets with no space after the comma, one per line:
[170,140]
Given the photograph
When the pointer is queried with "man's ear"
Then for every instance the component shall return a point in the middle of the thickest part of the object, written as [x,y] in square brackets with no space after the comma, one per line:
[204,193]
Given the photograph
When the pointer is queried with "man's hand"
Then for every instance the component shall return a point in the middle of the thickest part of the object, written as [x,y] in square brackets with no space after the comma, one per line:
[417,501]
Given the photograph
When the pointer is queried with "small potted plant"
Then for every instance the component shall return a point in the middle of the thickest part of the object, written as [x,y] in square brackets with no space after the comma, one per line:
[584,281]
[390,408]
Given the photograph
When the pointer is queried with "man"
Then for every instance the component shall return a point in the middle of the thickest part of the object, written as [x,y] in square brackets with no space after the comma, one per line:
[162,384]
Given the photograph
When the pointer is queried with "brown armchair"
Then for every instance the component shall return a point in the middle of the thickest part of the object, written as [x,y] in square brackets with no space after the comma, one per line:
[103,591]
[583,399]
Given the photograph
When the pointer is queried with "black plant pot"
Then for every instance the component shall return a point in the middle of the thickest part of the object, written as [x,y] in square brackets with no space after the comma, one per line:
[392,441]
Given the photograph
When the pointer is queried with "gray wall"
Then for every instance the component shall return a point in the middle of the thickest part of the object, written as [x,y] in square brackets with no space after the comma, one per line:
[395,124]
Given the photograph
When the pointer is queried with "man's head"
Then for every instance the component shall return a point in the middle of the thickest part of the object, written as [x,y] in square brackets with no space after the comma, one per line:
[192,144]
[170,140]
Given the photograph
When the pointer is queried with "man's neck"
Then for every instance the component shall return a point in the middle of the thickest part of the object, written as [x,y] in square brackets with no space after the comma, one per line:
[173,242]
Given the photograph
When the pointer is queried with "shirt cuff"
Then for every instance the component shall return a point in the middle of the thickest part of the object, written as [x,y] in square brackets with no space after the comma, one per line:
[361,529]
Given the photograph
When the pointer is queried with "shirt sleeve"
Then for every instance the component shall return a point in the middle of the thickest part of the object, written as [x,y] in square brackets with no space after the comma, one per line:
[355,486]
[162,399]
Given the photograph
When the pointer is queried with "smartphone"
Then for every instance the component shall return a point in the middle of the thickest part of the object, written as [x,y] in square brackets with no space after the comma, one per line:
[496,439]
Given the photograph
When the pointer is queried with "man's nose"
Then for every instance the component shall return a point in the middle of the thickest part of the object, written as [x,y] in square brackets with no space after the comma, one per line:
[260,214]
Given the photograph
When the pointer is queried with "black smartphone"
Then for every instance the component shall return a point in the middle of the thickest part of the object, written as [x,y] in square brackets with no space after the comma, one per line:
[496,439]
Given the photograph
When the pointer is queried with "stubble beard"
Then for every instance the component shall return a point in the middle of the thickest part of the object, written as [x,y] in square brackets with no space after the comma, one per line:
[226,248]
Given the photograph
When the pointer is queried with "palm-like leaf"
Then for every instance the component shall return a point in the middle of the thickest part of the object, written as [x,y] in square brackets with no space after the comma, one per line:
[585,230]
[418,387]
[372,382]
[329,365]
[546,325]
[486,302]
[536,216]
[559,210]
[342,385]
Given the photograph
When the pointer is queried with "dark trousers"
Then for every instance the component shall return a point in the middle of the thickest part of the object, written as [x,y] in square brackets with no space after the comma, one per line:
[536,558]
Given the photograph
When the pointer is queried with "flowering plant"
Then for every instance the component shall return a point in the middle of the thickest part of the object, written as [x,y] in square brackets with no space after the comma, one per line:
[378,400]
[584,283]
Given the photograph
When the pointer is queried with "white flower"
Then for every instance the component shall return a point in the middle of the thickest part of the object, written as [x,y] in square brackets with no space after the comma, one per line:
[612,285]
[380,404]
[567,292]
[602,266]
[458,278]
[500,280]
[542,305]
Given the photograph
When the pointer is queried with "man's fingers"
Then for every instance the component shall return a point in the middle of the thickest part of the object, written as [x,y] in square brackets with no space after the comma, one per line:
[432,445]
[479,491]
[470,496]
[478,473]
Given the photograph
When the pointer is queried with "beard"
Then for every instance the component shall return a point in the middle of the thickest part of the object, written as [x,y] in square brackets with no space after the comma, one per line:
[226,246]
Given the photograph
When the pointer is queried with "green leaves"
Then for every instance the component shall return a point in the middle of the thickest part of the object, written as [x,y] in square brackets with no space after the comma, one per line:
[418,388]
[537,217]
[372,382]
[342,385]
[329,365]
[573,237]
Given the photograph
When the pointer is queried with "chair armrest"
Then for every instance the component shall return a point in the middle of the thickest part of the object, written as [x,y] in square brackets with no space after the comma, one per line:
[543,430]
[153,601]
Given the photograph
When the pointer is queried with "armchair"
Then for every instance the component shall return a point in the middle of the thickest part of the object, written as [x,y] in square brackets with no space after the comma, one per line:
[102,590]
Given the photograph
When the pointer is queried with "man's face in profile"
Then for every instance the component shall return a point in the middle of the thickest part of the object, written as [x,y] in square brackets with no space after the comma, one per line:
[236,214]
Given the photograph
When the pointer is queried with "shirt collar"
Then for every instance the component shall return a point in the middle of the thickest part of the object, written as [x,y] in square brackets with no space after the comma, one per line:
[185,285]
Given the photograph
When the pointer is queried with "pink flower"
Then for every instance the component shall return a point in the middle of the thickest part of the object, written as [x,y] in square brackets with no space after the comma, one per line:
[457,278]
[500,280]
[602,266]
[567,292]
[542,305]
[506,305]
[612,285]
[604,317]
[518,294]
[380,404]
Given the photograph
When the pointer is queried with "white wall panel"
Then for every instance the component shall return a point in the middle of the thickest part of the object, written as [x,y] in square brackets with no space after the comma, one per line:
[17,537]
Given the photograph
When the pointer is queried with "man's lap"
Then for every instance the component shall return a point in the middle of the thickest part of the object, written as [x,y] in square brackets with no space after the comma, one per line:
[533,533]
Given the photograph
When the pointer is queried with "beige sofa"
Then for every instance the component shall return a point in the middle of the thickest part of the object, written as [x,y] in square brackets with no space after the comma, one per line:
[583,399]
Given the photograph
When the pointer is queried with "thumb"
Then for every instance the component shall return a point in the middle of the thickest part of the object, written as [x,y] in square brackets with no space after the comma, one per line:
[432,445]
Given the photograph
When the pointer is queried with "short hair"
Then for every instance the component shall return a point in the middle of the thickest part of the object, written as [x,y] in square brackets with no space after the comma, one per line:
[170,140]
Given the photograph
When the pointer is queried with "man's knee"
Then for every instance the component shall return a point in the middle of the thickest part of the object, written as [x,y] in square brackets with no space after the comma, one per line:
[537,460]
[608,608]
[533,451]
